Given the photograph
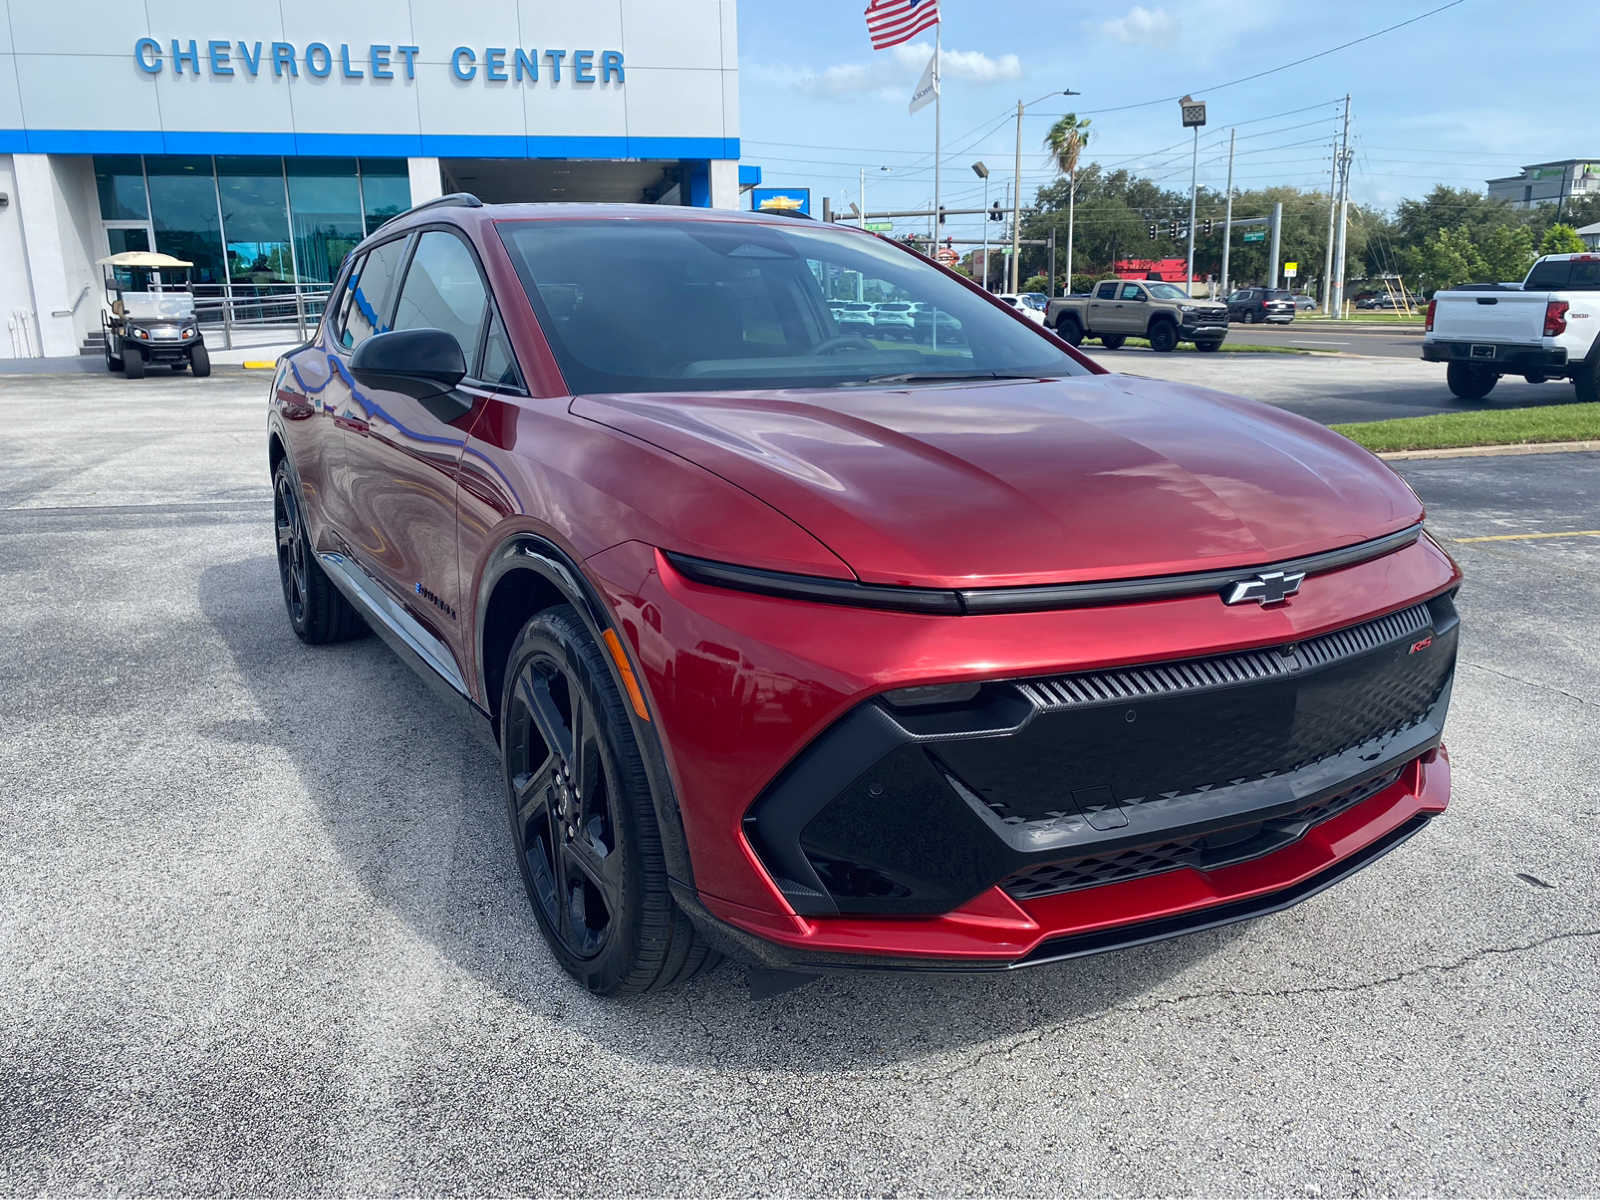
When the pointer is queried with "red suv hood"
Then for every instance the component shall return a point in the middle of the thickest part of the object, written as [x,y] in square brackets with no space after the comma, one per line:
[1049,481]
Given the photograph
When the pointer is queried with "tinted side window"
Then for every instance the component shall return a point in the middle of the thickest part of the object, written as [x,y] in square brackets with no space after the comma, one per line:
[499,367]
[1548,276]
[1585,276]
[443,291]
[1108,291]
[370,290]
[339,304]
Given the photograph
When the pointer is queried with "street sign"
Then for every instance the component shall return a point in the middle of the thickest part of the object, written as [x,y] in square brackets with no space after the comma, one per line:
[1194,112]
[1290,269]
[881,226]
[1255,235]
[947,257]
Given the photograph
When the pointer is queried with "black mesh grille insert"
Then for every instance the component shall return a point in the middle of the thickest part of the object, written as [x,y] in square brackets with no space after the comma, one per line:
[1206,852]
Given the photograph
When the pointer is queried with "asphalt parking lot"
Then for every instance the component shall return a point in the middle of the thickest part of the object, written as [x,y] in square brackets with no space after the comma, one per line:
[260,930]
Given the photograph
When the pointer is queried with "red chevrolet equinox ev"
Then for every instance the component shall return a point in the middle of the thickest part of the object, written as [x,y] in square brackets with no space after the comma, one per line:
[937,647]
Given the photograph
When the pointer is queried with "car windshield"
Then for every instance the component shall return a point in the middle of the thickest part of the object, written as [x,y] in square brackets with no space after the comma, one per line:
[703,305]
[1166,291]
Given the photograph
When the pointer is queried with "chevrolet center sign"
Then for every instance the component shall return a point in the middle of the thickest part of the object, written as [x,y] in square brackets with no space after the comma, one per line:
[223,59]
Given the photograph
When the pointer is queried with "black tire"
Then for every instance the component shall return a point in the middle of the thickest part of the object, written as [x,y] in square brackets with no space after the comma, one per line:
[583,820]
[133,362]
[1163,337]
[1112,341]
[1069,331]
[178,366]
[112,364]
[1468,381]
[1208,347]
[1587,381]
[318,612]
[1249,316]
[200,362]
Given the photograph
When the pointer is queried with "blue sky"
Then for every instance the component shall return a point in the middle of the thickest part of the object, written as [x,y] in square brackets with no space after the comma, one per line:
[1469,93]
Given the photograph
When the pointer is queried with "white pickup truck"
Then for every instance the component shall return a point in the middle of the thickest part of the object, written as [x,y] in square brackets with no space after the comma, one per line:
[1546,328]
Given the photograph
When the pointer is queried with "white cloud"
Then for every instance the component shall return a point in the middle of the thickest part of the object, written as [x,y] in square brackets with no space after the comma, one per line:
[1142,27]
[888,76]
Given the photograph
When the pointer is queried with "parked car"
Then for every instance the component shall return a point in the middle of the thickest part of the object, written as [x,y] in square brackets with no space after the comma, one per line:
[822,651]
[1546,328]
[894,316]
[927,319]
[1253,304]
[1119,309]
[1304,303]
[853,312]
[1024,305]
[1038,299]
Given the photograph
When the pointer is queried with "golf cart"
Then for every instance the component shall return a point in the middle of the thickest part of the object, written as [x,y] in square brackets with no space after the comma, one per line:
[149,319]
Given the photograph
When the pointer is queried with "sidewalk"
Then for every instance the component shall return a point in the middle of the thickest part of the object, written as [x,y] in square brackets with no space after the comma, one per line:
[248,346]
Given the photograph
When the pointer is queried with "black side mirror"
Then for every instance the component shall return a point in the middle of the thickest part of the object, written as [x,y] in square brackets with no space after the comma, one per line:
[418,362]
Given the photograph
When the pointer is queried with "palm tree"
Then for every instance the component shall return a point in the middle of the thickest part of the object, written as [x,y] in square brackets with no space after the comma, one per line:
[1065,141]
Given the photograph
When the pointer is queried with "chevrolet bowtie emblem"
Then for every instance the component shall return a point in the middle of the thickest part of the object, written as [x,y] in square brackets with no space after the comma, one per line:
[1270,587]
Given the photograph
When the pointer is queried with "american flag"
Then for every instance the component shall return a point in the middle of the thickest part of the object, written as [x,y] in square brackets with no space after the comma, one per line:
[891,22]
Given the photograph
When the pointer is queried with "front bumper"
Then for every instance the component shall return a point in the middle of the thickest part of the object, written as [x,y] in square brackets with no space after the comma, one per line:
[971,850]
[1205,329]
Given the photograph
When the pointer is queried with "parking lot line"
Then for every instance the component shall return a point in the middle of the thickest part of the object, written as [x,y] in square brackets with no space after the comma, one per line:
[1519,537]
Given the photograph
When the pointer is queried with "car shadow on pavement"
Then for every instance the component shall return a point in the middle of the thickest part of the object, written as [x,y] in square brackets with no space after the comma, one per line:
[411,802]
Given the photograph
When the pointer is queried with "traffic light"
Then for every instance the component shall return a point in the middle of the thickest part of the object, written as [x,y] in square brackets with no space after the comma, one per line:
[1172,229]
[1207,227]
[1152,231]
[995,214]
[949,243]
[941,214]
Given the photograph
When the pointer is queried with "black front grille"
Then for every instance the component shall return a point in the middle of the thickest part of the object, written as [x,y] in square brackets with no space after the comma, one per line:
[1221,848]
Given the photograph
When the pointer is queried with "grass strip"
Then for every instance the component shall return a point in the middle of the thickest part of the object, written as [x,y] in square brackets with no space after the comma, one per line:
[1482,427]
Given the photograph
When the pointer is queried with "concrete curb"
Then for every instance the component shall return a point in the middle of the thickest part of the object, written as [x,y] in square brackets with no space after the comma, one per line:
[1492,451]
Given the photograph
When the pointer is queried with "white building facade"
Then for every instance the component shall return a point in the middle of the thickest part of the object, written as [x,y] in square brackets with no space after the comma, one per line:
[1548,183]
[261,142]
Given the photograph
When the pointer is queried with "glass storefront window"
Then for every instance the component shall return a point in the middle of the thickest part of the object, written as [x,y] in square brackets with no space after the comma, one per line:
[119,178]
[386,189]
[325,199]
[183,207]
[255,226]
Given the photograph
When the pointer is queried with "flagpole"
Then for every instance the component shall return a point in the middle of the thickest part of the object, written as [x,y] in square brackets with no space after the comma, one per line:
[938,105]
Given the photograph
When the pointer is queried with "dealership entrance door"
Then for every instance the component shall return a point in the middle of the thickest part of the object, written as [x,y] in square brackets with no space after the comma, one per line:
[558,180]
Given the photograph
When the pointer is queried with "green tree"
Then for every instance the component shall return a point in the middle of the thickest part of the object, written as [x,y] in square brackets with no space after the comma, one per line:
[1561,239]
[1449,257]
[1036,283]
[1507,252]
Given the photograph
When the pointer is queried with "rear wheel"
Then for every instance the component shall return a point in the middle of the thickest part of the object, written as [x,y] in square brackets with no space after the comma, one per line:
[1069,331]
[1208,347]
[133,362]
[582,817]
[318,613]
[1112,341]
[1163,337]
[1467,381]
[1587,381]
[1249,316]
[200,360]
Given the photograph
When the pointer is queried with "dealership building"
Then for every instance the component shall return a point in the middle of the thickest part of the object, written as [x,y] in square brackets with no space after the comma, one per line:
[261,142]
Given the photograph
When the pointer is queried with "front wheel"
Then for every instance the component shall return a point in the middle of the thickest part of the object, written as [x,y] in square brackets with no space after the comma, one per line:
[200,362]
[113,364]
[133,362]
[1163,337]
[1069,331]
[583,820]
[318,613]
[1112,341]
[1208,347]
[1468,381]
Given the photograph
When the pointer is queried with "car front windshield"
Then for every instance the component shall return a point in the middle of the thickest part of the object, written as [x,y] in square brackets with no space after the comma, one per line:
[705,305]
[1165,291]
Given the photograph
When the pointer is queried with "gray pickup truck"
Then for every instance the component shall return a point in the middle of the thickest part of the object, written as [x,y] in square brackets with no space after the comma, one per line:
[1118,309]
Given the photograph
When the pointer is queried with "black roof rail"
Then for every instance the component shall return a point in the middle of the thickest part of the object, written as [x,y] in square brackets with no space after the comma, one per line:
[451,200]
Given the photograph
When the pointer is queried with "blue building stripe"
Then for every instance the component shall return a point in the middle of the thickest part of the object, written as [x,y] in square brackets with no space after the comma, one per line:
[369,145]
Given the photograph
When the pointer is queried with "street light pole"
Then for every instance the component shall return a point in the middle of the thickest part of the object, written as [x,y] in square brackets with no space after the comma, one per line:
[1016,199]
[982,172]
[1194,116]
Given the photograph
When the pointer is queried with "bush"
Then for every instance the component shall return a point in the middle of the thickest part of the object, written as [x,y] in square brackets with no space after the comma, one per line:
[1036,283]
[1084,283]
[1561,239]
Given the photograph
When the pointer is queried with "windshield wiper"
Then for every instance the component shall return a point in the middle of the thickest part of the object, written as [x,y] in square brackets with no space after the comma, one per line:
[913,377]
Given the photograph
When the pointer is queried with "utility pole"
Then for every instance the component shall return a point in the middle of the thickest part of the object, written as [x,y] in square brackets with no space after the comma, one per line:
[981,170]
[863,198]
[1227,220]
[1333,214]
[1277,236]
[1052,282]
[1016,207]
[1344,212]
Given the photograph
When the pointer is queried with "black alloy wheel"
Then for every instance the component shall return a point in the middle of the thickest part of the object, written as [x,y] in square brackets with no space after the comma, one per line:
[583,818]
[292,554]
[1069,331]
[1470,381]
[1112,341]
[1163,337]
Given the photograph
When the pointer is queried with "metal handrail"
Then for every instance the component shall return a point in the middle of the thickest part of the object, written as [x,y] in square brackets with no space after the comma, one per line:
[231,306]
